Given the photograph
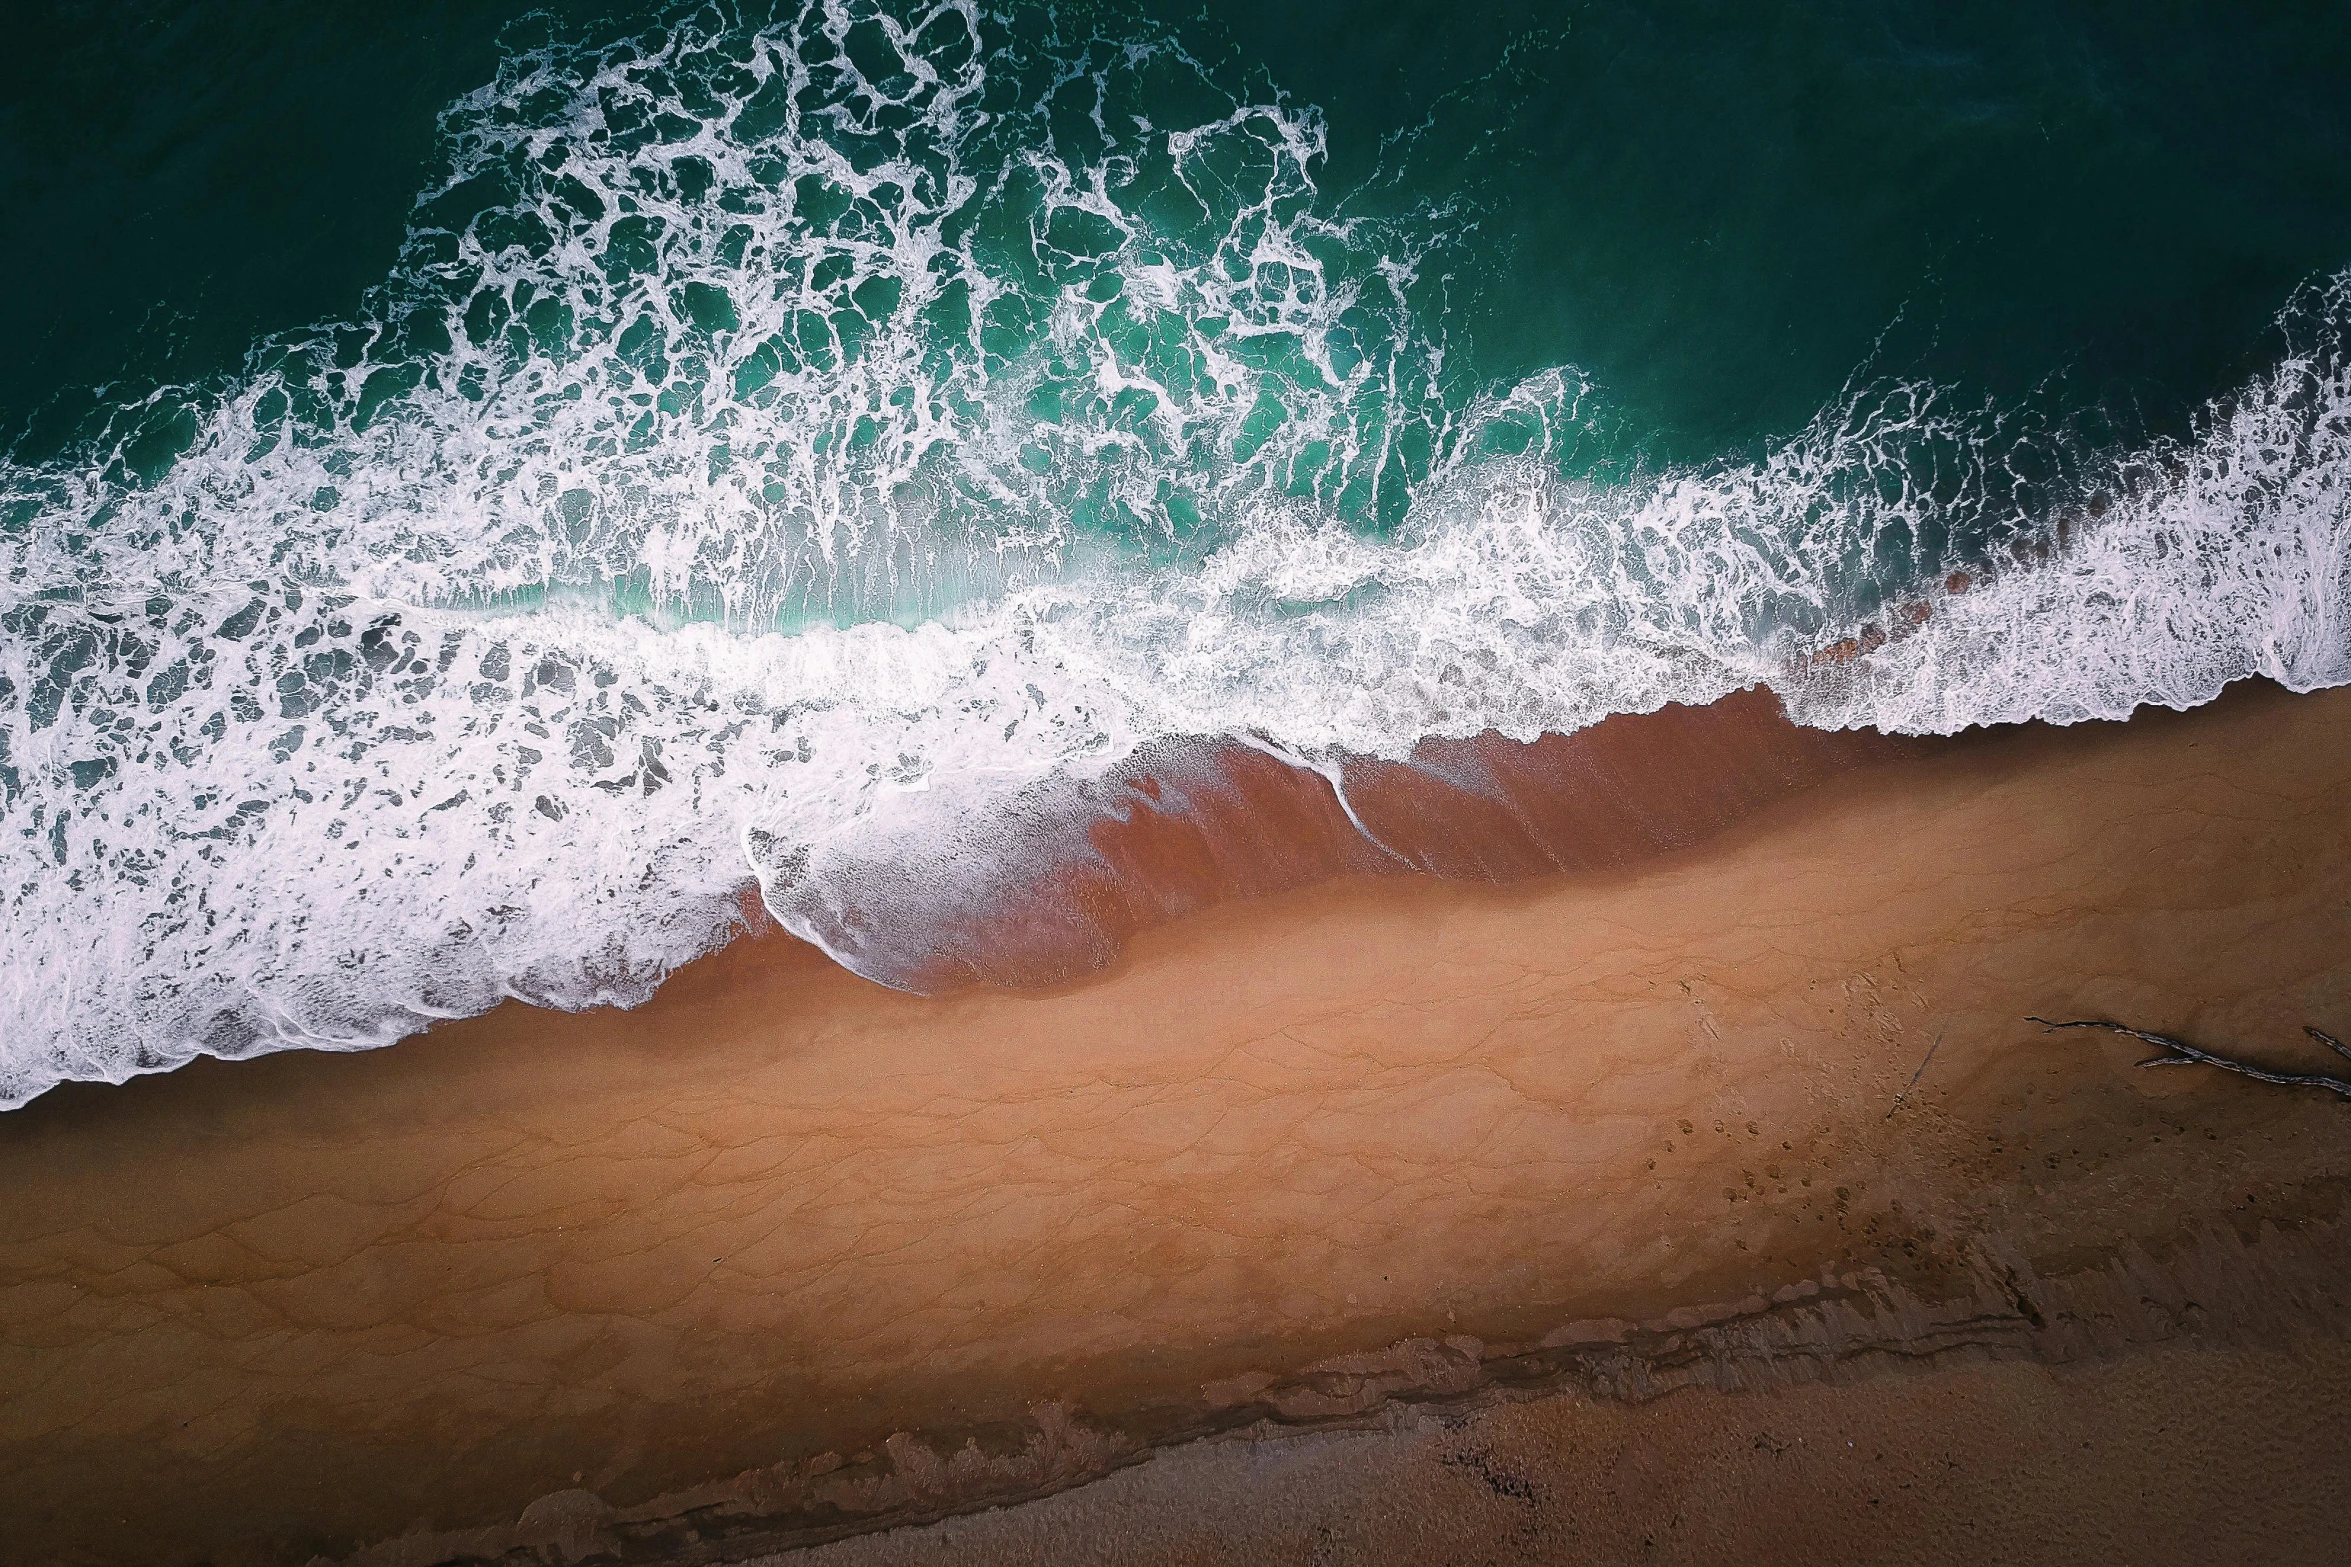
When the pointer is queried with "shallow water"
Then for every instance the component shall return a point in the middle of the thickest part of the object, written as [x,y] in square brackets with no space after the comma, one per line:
[484,488]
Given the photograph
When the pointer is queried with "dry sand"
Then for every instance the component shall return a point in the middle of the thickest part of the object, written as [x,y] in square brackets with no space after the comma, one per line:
[783,1255]
[2174,1455]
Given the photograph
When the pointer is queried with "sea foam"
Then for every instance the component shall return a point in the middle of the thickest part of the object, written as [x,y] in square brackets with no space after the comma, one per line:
[805,451]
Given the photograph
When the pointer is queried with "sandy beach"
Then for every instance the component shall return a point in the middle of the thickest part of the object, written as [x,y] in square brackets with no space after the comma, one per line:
[1949,1460]
[822,783]
[784,1255]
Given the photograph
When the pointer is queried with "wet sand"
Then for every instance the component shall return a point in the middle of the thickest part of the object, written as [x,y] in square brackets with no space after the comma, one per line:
[783,1255]
[1065,884]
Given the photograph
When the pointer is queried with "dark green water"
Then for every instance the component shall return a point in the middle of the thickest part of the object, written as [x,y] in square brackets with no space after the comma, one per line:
[479,485]
[1719,211]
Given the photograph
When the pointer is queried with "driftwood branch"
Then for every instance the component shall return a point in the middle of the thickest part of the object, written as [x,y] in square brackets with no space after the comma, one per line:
[2178,1052]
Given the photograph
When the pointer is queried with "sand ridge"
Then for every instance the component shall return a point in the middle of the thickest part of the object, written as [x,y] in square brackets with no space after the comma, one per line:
[308,1304]
[2173,1455]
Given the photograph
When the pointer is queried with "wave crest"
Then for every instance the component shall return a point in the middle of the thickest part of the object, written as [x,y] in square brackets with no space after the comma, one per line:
[808,451]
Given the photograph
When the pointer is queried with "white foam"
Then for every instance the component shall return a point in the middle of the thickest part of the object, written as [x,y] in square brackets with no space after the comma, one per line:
[376,713]
[2211,560]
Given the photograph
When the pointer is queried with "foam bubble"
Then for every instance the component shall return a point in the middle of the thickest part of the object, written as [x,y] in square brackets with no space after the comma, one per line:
[804,452]
[2199,562]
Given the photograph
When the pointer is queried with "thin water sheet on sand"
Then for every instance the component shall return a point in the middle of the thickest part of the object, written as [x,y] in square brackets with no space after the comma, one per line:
[784,1254]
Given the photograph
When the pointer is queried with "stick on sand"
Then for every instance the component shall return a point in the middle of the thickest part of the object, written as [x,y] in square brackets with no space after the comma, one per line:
[2178,1052]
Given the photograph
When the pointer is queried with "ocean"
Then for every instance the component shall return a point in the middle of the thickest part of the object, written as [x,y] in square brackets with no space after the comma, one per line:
[484,487]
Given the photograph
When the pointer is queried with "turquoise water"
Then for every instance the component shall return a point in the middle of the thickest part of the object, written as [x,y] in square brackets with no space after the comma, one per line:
[481,486]
[1715,210]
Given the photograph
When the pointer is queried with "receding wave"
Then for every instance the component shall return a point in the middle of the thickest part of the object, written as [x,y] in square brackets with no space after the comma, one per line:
[794,451]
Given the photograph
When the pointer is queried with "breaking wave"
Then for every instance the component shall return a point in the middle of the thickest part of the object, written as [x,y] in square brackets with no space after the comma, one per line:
[784,447]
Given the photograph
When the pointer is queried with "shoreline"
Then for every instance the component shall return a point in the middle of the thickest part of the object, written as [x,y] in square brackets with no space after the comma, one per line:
[1080,869]
[356,1306]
